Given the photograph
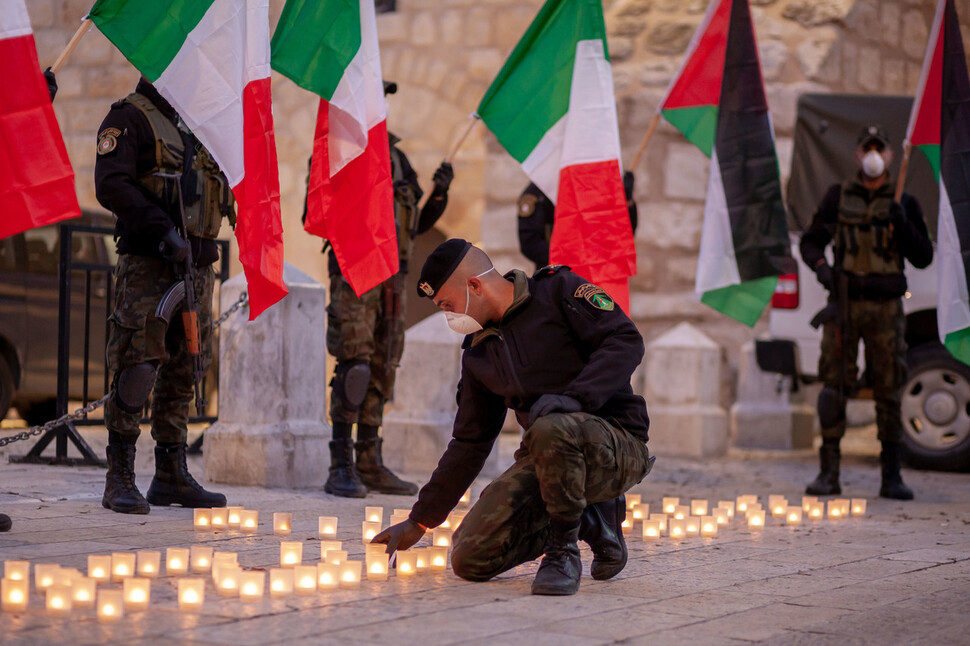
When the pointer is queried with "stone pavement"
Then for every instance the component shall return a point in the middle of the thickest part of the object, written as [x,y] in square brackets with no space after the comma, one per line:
[902,575]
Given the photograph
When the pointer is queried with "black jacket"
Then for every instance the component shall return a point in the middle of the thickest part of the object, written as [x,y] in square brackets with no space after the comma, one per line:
[551,340]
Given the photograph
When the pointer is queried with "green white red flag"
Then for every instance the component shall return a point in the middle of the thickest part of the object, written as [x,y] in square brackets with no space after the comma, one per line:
[552,108]
[210,60]
[330,47]
[36,179]
[940,127]
[717,100]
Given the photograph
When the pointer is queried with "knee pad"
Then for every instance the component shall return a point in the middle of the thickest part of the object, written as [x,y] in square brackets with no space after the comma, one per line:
[831,407]
[133,385]
[350,381]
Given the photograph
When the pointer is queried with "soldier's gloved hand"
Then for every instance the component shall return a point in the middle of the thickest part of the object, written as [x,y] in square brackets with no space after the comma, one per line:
[824,275]
[553,404]
[51,83]
[443,176]
[400,536]
[628,184]
[897,215]
[173,248]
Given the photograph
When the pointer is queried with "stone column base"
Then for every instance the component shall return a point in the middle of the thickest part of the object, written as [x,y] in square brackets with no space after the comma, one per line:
[688,431]
[763,425]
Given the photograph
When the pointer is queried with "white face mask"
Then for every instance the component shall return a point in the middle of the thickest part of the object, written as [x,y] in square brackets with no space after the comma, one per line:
[873,165]
[463,323]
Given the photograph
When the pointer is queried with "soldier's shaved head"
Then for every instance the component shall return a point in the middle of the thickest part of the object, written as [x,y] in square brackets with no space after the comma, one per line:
[474,263]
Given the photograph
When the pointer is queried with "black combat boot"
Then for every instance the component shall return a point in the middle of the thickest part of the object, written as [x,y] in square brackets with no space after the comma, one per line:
[5,523]
[561,566]
[343,479]
[120,493]
[174,485]
[600,527]
[827,481]
[892,481]
[373,473]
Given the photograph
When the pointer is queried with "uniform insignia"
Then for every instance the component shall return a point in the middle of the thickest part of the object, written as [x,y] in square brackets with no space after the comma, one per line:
[527,205]
[426,288]
[595,296]
[108,140]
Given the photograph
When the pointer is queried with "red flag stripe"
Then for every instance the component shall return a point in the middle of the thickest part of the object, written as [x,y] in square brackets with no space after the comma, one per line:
[699,80]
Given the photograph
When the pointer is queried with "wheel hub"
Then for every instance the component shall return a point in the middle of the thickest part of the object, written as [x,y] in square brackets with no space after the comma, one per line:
[940,408]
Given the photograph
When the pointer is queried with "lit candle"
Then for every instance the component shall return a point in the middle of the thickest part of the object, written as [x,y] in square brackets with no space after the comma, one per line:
[756,519]
[46,575]
[375,549]
[692,525]
[280,582]
[407,563]
[248,521]
[651,530]
[662,519]
[455,518]
[793,516]
[350,575]
[377,567]
[817,511]
[669,504]
[220,518]
[222,558]
[202,518]
[326,546]
[200,556]
[84,592]
[149,563]
[780,508]
[774,499]
[681,512]
[328,576]
[422,560]
[191,594]
[336,557]
[122,566]
[99,567]
[137,593]
[753,507]
[834,509]
[14,594]
[291,553]
[234,517]
[374,514]
[327,527]
[369,529]
[627,525]
[721,516]
[807,502]
[176,561]
[251,585]
[16,570]
[67,575]
[445,525]
[282,523]
[398,518]
[728,506]
[59,600]
[305,579]
[441,537]
[439,559]
[228,582]
[858,506]
[465,497]
[111,606]
[677,528]
[698,508]
[745,502]
[844,504]
[708,526]
[641,512]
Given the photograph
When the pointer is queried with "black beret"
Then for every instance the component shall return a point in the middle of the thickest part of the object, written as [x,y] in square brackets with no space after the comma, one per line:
[874,132]
[440,265]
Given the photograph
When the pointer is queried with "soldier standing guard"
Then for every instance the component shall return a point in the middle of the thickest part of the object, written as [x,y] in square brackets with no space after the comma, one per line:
[366,336]
[142,137]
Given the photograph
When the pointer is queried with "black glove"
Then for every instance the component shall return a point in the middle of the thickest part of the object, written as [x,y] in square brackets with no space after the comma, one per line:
[443,176]
[51,83]
[897,215]
[173,247]
[628,185]
[824,275]
[553,404]
[400,536]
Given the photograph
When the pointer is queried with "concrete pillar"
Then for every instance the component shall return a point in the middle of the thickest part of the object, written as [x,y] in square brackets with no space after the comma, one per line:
[272,429]
[767,415]
[683,377]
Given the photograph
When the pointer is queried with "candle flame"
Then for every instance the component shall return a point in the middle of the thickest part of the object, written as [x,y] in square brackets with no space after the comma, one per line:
[108,609]
[46,581]
[98,573]
[148,568]
[439,560]
[16,596]
[249,523]
[203,521]
[190,596]
[348,576]
[57,602]
[137,596]
[175,563]
[326,578]
[82,595]
[249,588]
[405,567]
[228,583]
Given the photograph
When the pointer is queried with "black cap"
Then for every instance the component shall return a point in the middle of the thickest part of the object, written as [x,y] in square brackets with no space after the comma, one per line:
[390,87]
[873,133]
[440,265]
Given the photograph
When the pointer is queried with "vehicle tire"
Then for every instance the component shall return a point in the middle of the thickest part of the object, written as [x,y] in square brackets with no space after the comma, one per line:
[39,412]
[935,406]
[6,387]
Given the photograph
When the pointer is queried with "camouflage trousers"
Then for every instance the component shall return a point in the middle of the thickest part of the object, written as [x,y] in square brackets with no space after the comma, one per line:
[565,462]
[136,336]
[882,327]
[357,332]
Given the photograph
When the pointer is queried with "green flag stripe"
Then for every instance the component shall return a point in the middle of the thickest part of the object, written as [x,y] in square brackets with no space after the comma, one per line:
[744,302]
[958,343]
[315,41]
[698,124]
[531,92]
[932,152]
[149,34]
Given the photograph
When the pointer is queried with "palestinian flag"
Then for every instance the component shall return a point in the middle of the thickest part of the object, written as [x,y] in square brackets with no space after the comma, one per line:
[210,60]
[330,47]
[940,127]
[552,108]
[36,179]
[717,101]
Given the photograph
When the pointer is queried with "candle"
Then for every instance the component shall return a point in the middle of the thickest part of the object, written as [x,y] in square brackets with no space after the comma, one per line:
[251,585]
[234,517]
[445,525]
[228,582]
[220,559]
[377,567]
[441,537]
[374,514]
[844,505]
[627,525]
[407,563]
[756,519]
[191,594]
[397,519]
[708,526]
[202,518]
[45,575]
[99,567]
[305,579]
[375,549]
[327,527]
[328,576]
[149,563]
[83,592]
[67,575]
[248,521]
[455,518]
[651,530]
[465,497]
[633,499]
[280,582]
[176,561]
[439,559]
[14,594]
[817,511]
[336,557]
[122,566]
[110,606]
[282,523]
[677,528]
[220,518]
[753,507]
[669,504]
[200,556]
[369,529]
[681,512]
[58,600]
[692,526]
[728,506]
[662,519]
[744,502]
[350,575]
[858,506]
[422,560]
[834,509]
[807,502]
[18,570]
[641,512]
[698,508]
[291,553]
[774,499]
[721,516]
[326,546]
[793,516]
[137,592]
[779,509]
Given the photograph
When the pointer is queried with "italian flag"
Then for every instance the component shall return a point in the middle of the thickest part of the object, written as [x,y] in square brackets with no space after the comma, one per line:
[210,60]
[36,179]
[717,100]
[330,47]
[940,127]
[552,108]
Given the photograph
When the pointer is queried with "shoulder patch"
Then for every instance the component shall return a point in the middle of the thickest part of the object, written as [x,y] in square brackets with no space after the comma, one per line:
[595,296]
[527,205]
[549,270]
[108,140]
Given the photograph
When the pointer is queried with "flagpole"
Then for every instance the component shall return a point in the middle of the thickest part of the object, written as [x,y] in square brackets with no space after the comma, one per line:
[646,140]
[472,122]
[86,24]
[903,167]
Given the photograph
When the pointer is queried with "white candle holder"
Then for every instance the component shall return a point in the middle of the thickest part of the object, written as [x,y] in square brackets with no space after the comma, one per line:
[407,563]
[58,600]
[779,508]
[662,519]
[669,505]
[137,593]
[793,516]
[252,585]
[651,530]
[176,561]
[220,518]
[627,525]
[291,553]
[834,510]
[640,512]
[681,512]
[326,546]
[721,517]
[708,526]
[692,525]
[465,497]
[200,556]
[84,593]
[191,594]
[858,506]
[677,528]
[46,575]
[248,521]
[227,584]
[282,523]
[845,505]
[756,520]
[221,559]
[16,570]
[14,594]
[110,606]
[234,517]
[202,519]
[327,527]
[350,575]
[336,557]
[807,502]
[439,559]
[368,530]
[149,563]
[728,506]
[422,560]
[305,579]
[280,582]
[374,515]
[377,566]
[441,537]
[99,567]
[816,511]
[698,507]
[328,576]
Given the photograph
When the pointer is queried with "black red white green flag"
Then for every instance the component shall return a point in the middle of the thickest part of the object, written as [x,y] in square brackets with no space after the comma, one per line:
[717,100]
[940,127]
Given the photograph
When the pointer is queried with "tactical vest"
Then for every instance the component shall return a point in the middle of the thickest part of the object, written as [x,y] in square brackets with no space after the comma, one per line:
[213,198]
[405,209]
[863,239]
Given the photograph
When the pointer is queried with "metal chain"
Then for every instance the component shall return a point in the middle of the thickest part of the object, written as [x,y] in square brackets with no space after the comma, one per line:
[33,431]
